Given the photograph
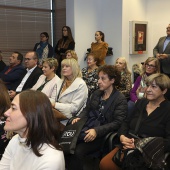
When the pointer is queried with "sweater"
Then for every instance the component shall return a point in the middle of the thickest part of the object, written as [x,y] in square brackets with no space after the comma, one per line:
[18,156]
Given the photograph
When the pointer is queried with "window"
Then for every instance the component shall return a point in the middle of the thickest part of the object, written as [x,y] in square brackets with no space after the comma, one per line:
[21,22]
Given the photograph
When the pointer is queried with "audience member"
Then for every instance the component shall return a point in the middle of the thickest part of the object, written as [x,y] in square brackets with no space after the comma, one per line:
[64,44]
[162,52]
[72,91]
[2,64]
[155,121]
[125,82]
[90,73]
[43,48]
[138,91]
[13,74]
[47,83]
[31,76]
[36,144]
[71,54]
[105,110]
[99,47]
[4,106]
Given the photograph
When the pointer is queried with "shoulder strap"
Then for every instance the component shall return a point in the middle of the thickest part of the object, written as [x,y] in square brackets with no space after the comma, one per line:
[60,90]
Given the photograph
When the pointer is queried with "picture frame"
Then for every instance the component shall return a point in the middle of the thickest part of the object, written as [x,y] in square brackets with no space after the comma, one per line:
[138,37]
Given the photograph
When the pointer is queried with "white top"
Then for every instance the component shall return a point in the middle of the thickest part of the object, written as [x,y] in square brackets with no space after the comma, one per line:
[50,88]
[21,85]
[18,156]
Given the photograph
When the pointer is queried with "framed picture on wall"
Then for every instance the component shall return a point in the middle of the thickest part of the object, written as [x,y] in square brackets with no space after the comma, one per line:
[138,37]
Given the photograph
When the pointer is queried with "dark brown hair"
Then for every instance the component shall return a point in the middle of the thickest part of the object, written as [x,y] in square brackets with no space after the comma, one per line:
[4,98]
[112,72]
[101,34]
[41,126]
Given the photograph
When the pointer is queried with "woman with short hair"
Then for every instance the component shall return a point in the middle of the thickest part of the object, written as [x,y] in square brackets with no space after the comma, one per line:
[36,144]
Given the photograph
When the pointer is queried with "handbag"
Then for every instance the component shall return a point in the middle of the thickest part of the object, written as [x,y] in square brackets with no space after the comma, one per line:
[68,139]
[152,149]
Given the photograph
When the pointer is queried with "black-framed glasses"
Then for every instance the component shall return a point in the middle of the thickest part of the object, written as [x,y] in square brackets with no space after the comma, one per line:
[150,65]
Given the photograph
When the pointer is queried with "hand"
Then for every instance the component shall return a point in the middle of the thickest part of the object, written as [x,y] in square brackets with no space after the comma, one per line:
[12,94]
[158,56]
[127,142]
[75,120]
[91,135]
[163,56]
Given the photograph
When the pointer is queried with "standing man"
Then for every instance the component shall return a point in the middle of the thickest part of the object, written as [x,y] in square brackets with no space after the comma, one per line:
[162,52]
[32,74]
[13,73]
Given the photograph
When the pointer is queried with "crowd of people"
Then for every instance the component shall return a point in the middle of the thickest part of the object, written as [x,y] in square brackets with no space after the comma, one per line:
[37,101]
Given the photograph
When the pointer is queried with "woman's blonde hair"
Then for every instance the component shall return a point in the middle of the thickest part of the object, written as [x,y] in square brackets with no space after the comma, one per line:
[52,62]
[74,66]
[126,70]
[73,54]
[157,65]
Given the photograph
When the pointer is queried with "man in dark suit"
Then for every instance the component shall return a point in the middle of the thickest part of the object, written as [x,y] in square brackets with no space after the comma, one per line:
[31,76]
[13,73]
[162,52]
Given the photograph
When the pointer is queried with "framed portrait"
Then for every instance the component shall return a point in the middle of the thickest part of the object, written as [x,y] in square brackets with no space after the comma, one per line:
[138,37]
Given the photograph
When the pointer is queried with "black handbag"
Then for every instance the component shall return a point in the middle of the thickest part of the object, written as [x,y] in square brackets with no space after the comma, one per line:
[68,139]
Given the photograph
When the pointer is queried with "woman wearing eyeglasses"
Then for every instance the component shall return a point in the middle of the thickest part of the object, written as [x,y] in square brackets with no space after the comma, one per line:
[43,48]
[152,66]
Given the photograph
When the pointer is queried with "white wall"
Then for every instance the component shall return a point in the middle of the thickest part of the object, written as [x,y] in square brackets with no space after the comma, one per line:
[112,17]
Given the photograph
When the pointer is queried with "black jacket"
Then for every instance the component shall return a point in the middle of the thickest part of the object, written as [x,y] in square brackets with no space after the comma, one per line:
[114,115]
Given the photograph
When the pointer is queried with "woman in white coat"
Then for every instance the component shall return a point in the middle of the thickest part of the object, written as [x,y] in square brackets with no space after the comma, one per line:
[72,91]
[47,83]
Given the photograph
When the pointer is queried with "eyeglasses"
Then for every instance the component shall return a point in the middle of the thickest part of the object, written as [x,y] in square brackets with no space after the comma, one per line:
[151,66]
[28,59]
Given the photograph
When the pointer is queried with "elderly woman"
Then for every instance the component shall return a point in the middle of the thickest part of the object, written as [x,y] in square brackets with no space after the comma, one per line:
[36,144]
[105,112]
[90,75]
[47,83]
[125,82]
[155,118]
[4,106]
[72,91]
[71,54]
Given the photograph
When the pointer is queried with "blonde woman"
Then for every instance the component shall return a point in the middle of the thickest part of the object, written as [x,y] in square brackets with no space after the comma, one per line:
[71,54]
[72,91]
[125,82]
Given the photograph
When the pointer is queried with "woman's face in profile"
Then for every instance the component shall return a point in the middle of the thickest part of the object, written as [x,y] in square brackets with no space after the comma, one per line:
[68,55]
[90,61]
[67,71]
[47,71]
[98,37]
[15,121]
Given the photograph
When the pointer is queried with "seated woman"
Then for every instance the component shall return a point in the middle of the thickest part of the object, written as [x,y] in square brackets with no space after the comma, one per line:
[89,73]
[106,109]
[99,47]
[36,144]
[47,83]
[71,54]
[125,82]
[72,91]
[4,106]
[152,66]
[155,120]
